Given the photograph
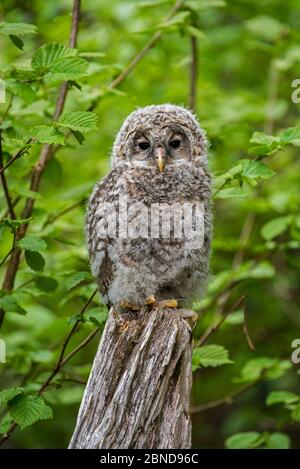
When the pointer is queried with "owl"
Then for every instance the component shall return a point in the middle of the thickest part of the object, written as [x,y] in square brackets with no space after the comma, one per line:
[140,253]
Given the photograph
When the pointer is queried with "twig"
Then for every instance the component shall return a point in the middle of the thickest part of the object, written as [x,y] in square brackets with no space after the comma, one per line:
[7,109]
[246,330]
[38,170]
[61,361]
[63,212]
[228,399]
[16,156]
[143,52]
[193,73]
[218,324]
[4,184]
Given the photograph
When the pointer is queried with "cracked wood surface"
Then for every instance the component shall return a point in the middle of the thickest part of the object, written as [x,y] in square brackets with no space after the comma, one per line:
[137,395]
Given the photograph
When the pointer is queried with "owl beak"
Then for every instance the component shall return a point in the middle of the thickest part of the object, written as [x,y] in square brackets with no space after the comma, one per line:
[160,158]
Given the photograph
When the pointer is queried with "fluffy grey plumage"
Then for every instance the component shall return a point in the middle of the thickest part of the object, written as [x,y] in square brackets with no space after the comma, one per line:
[159,157]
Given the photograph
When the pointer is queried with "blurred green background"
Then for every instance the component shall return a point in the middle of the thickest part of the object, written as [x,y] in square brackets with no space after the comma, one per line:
[248,57]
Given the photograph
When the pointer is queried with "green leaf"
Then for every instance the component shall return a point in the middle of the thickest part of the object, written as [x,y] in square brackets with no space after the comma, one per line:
[278,440]
[296,413]
[231,192]
[34,260]
[97,315]
[16,41]
[196,32]
[291,135]
[267,28]
[284,397]
[263,367]
[26,410]
[256,169]
[70,68]
[9,304]
[49,54]
[77,278]
[244,440]
[79,121]
[265,144]
[235,318]
[45,134]
[31,243]
[210,355]
[23,90]
[275,227]
[9,393]
[46,284]
[5,425]
[17,29]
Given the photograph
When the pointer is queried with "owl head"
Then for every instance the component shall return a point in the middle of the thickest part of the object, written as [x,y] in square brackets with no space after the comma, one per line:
[160,136]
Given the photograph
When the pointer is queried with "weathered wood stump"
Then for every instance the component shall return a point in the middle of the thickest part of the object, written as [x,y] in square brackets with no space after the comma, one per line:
[137,395]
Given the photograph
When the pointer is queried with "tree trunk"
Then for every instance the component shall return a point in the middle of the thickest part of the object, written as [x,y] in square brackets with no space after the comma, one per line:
[137,395]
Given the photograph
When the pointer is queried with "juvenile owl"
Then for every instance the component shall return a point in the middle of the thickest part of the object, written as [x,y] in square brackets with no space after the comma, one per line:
[148,223]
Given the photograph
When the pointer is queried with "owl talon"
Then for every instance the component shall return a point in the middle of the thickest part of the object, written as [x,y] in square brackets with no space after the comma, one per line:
[129,306]
[168,304]
[151,300]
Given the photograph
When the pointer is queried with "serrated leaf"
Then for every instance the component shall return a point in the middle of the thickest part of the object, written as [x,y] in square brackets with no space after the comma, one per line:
[275,227]
[282,397]
[291,135]
[210,355]
[70,68]
[17,29]
[23,90]
[79,121]
[9,393]
[5,425]
[49,54]
[270,368]
[278,440]
[26,410]
[45,134]
[77,278]
[10,305]
[31,243]
[46,284]
[231,192]
[244,440]
[34,260]
[256,169]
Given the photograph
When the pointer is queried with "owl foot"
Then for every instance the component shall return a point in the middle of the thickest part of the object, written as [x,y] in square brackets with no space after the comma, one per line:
[125,307]
[151,300]
[168,304]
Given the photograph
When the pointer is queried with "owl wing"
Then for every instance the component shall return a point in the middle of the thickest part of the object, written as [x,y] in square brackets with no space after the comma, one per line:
[100,244]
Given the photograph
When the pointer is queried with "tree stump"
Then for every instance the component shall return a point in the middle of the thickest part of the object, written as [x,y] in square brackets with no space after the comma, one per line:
[137,395]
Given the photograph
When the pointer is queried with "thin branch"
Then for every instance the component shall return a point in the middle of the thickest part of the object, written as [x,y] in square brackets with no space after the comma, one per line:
[193,73]
[61,360]
[68,209]
[228,399]
[16,156]
[38,170]
[246,330]
[5,185]
[143,52]
[218,324]
[7,109]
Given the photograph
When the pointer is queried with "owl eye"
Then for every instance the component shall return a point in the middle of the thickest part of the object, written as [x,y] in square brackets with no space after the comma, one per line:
[144,145]
[175,143]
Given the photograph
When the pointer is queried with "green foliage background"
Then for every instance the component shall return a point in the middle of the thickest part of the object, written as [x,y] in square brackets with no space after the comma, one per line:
[249,54]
